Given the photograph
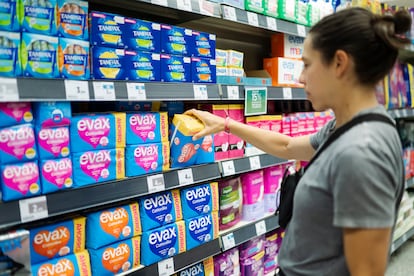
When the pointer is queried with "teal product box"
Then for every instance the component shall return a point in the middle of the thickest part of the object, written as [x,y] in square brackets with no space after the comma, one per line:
[199,200]
[73,264]
[255,6]
[146,127]
[146,158]
[109,63]
[203,45]
[287,9]
[162,243]
[205,153]
[20,180]
[10,54]
[73,19]
[203,70]
[143,35]
[38,17]
[52,114]
[175,40]
[175,68]
[143,66]
[270,8]
[39,56]
[107,30]
[201,229]
[74,59]
[302,12]
[160,209]
[56,174]
[9,10]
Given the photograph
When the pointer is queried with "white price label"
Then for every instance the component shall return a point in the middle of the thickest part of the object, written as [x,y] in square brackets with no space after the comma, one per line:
[77,90]
[160,2]
[136,91]
[185,177]
[184,5]
[155,183]
[233,92]
[253,19]
[228,241]
[33,208]
[8,90]
[229,13]
[301,30]
[271,23]
[255,162]
[287,93]
[104,90]
[228,168]
[260,227]
[200,92]
[166,267]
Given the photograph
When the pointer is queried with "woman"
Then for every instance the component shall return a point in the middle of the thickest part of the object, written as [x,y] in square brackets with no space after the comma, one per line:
[345,205]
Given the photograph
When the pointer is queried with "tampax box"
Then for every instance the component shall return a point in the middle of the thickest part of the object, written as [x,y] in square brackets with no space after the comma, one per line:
[175,68]
[203,70]
[57,240]
[254,6]
[116,258]
[73,19]
[284,71]
[270,8]
[38,16]
[199,200]
[287,9]
[56,174]
[98,131]
[9,10]
[15,113]
[286,45]
[74,264]
[143,66]
[201,229]
[53,142]
[143,35]
[17,144]
[112,225]
[147,158]
[39,56]
[20,180]
[235,59]
[74,59]
[107,30]
[176,40]
[92,167]
[203,45]
[221,58]
[162,243]
[9,53]
[109,63]
[160,209]
[146,127]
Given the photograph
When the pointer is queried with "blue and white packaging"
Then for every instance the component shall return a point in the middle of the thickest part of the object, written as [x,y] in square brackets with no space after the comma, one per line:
[205,268]
[199,200]
[203,70]
[107,30]
[205,153]
[175,40]
[143,35]
[56,174]
[201,229]
[10,54]
[73,19]
[143,66]
[146,127]
[74,59]
[53,142]
[162,243]
[8,15]
[52,114]
[20,180]
[146,158]
[109,63]
[203,45]
[175,68]
[38,17]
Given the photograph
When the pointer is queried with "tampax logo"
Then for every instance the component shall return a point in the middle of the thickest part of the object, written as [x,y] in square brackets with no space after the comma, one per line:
[201,222]
[50,133]
[95,157]
[50,243]
[158,201]
[57,165]
[28,169]
[113,222]
[163,235]
[18,134]
[62,267]
[197,193]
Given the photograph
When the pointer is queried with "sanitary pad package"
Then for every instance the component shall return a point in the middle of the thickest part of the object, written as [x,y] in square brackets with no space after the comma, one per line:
[227,263]
[199,200]
[15,113]
[75,265]
[205,268]
[252,247]
[53,142]
[147,158]
[206,151]
[73,19]
[272,179]
[74,59]
[9,10]
[107,29]
[271,250]
[20,181]
[253,190]
[230,199]
[9,53]
[38,16]
[146,127]
[52,114]
[56,174]
[17,144]
[143,35]
[253,265]
[201,229]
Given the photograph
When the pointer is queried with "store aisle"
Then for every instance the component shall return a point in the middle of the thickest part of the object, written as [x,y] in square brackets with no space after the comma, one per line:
[402,261]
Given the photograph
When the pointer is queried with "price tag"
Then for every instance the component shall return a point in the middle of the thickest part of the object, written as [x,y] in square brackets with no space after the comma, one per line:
[185,177]
[255,162]
[166,267]
[301,30]
[155,183]
[271,23]
[33,208]
[77,90]
[253,19]
[228,241]
[229,13]
[160,2]
[233,92]
[228,168]
[260,227]
[200,92]
[287,93]
[104,90]
[136,91]
[8,90]
[184,5]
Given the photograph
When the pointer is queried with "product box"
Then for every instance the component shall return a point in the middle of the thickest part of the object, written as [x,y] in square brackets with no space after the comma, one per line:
[162,243]
[160,209]
[221,58]
[287,9]
[253,202]
[15,113]
[235,59]
[314,12]
[201,229]
[52,114]
[235,72]
[9,10]
[205,268]
[74,264]
[286,45]
[302,12]
[57,240]
[112,225]
[38,17]
[143,35]
[109,63]
[73,19]
[53,142]
[252,247]
[256,6]
[20,180]
[206,153]
[253,265]
[176,40]
[39,56]
[236,144]
[199,200]
[56,174]
[272,179]
[271,8]
[175,68]
[227,263]
[203,70]
[284,71]
[74,59]
[107,30]
[147,158]
[17,144]
[143,66]
[222,71]
[116,258]
[203,45]
[92,167]
[230,202]
[271,251]
[9,54]
[98,131]
[146,127]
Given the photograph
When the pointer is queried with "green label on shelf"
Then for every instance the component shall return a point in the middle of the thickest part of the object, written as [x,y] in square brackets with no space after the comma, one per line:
[255,102]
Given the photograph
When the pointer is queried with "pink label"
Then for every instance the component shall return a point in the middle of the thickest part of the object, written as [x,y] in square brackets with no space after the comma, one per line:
[54,140]
[147,157]
[18,141]
[143,125]
[15,110]
[95,164]
[58,172]
[22,178]
[94,131]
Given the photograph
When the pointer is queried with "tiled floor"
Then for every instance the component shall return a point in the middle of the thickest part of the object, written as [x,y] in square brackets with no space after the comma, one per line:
[402,261]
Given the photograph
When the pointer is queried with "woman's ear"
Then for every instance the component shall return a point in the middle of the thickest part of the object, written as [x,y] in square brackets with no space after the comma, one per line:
[341,63]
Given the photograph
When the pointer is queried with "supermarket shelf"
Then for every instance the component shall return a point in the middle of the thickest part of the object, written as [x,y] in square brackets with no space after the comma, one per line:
[401,113]
[247,164]
[401,240]
[409,183]
[273,93]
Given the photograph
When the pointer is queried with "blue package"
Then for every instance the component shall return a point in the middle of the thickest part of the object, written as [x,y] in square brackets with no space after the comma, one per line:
[74,59]
[143,35]
[143,66]
[17,144]
[205,268]
[203,45]
[73,19]
[172,108]
[109,63]
[201,229]
[52,114]
[10,54]
[175,40]
[162,243]
[199,200]
[38,17]
[15,113]
[56,174]
[146,127]
[205,153]
[73,264]
[20,180]
[53,142]
[203,70]
[8,15]
[160,209]
[107,29]
[175,68]
[146,158]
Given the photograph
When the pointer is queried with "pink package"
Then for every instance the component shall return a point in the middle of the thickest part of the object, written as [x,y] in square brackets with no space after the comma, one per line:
[227,263]
[17,144]
[294,125]
[252,247]
[253,266]
[15,113]
[310,122]
[276,124]
[53,142]
[302,123]
[286,125]
[253,189]
[272,178]
[271,249]
[230,202]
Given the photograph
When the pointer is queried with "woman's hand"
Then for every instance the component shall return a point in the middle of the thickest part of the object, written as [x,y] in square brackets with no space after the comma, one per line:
[212,123]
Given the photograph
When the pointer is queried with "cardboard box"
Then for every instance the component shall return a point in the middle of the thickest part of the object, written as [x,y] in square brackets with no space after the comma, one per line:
[284,71]
[286,45]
